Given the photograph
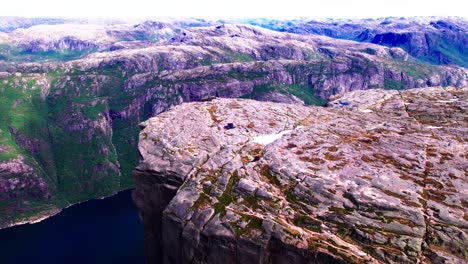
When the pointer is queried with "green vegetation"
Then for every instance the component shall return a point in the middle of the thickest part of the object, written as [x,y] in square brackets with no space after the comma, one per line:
[252,202]
[301,92]
[226,198]
[238,57]
[24,116]
[308,223]
[305,94]
[445,51]
[82,171]
[413,69]
[207,189]
[19,208]
[93,112]
[14,54]
[22,111]
[391,84]
[77,161]
[341,211]
[265,172]
[246,75]
[202,200]
[253,222]
[125,140]
[409,69]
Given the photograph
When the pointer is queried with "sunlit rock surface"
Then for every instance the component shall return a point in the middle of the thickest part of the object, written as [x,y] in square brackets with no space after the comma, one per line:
[379,176]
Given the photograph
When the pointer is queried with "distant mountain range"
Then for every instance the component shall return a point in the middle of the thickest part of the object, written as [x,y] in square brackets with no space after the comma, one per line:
[431,39]
[434,40]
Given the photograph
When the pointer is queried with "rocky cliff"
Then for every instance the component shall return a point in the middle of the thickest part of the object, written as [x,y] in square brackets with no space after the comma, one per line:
[70,120]
[377,177]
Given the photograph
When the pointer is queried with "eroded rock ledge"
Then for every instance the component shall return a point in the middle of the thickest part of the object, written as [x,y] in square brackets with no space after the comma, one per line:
[379,176]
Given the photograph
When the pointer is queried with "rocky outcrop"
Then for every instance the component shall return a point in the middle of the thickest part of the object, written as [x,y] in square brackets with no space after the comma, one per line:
[378,176]
[17,178]
[20,183]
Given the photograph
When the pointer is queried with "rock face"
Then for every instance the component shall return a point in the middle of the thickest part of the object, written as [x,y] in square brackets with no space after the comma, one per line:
[378,176]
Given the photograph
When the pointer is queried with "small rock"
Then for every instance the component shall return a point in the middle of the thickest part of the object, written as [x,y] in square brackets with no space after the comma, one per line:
[264,194]
[246,187]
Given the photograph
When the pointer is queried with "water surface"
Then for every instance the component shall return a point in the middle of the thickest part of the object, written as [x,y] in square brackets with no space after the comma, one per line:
[97,231]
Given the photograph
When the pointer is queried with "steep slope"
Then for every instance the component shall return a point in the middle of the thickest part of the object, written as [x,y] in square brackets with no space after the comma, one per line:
[69,130]
[378,177]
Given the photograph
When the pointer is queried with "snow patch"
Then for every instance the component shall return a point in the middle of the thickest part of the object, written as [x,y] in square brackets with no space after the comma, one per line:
[267,139]
[434,127]
[453,100]
[366,111]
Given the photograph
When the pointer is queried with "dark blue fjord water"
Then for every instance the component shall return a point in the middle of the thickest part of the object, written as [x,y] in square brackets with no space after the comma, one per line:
[97,231]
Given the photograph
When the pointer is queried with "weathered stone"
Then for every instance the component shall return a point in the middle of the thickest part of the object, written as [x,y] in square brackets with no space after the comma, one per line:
[264,194]
[368,181]
[246,187]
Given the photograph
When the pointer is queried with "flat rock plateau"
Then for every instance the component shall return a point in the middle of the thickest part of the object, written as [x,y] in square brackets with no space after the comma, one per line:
[377,176]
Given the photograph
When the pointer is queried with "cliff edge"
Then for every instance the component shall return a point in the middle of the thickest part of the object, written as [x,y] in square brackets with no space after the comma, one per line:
[377,177]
